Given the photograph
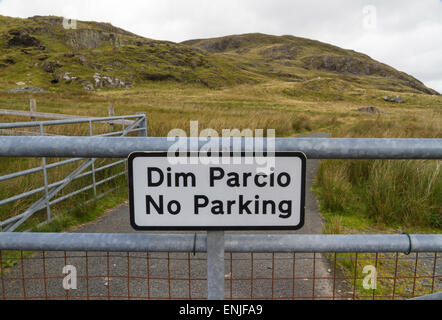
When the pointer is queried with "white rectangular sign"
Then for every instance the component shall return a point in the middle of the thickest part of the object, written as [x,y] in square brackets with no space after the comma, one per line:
[197,192]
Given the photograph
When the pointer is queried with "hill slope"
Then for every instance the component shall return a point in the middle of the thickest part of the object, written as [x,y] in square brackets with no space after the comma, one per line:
[38,51]
[294,58]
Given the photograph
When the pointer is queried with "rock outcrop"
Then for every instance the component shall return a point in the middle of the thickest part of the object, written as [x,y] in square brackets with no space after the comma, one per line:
[397,99]
[91,39]
[345,64]
[371,110]
[102,81]
[27,89]
[21,38]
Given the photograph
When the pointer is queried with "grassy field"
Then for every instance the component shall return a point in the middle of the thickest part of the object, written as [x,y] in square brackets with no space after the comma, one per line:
[384,193]
[375,192]
[356,196]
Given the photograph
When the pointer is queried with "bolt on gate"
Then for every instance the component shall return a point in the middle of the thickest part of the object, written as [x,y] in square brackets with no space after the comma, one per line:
[245,266]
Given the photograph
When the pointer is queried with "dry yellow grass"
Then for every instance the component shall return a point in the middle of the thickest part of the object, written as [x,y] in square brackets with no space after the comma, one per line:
[287,107]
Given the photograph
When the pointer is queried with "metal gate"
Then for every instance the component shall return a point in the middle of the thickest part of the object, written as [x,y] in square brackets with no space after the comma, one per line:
[127,124]
[217,265]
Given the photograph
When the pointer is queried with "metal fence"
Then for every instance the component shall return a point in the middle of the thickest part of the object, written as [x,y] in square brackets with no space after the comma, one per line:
[159,267]
[218,265]
[49,190]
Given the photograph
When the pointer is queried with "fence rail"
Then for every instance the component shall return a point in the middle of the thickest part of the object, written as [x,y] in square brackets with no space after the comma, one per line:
[314,148]
[45,115]
[233,243]
[109,120]
[137,125]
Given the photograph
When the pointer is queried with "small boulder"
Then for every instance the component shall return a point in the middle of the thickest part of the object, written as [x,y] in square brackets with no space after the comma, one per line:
[397,99]
[51,66]
[27,89]
[87,85]
[371,110]
[9,61]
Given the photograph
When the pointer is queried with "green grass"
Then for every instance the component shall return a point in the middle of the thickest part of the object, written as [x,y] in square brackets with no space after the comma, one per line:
[391,193]
[383,196]
[69,219]
[388,193]
[392,282]
[85,213]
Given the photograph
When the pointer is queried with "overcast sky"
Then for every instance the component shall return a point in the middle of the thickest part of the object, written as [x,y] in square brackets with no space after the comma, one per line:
[406,34]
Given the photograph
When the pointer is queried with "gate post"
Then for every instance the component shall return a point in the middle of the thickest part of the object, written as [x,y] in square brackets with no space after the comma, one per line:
[143,125]
[111,113]
[33,109]
[215,265]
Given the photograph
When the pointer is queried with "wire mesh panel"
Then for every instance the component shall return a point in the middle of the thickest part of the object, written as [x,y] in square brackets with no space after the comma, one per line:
[103,275]
[349,276]
[182,276]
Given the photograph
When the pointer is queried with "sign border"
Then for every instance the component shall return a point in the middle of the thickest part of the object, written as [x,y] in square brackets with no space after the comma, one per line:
[153,154]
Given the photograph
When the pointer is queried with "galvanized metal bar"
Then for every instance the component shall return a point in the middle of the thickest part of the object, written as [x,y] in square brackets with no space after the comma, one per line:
[215,265]
[102,195]
[32,192]
[143,126]
[434,296]
[74,193]
[125,131]
[52,116]
[131,128]
[86,202]
[333,243]
[146,126]
[56,184]
[110,178]
[259,243]
[118,133]
[91,133]
[70,195]
[62,122]
[56,164]
[45,179]
[38,169]
[37,205]
[108,166]
[314,148]
[101,242]
[23,195]
[19,219]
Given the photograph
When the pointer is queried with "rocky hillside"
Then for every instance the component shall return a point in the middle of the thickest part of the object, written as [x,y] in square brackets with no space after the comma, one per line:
[294,58]
[39,52]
